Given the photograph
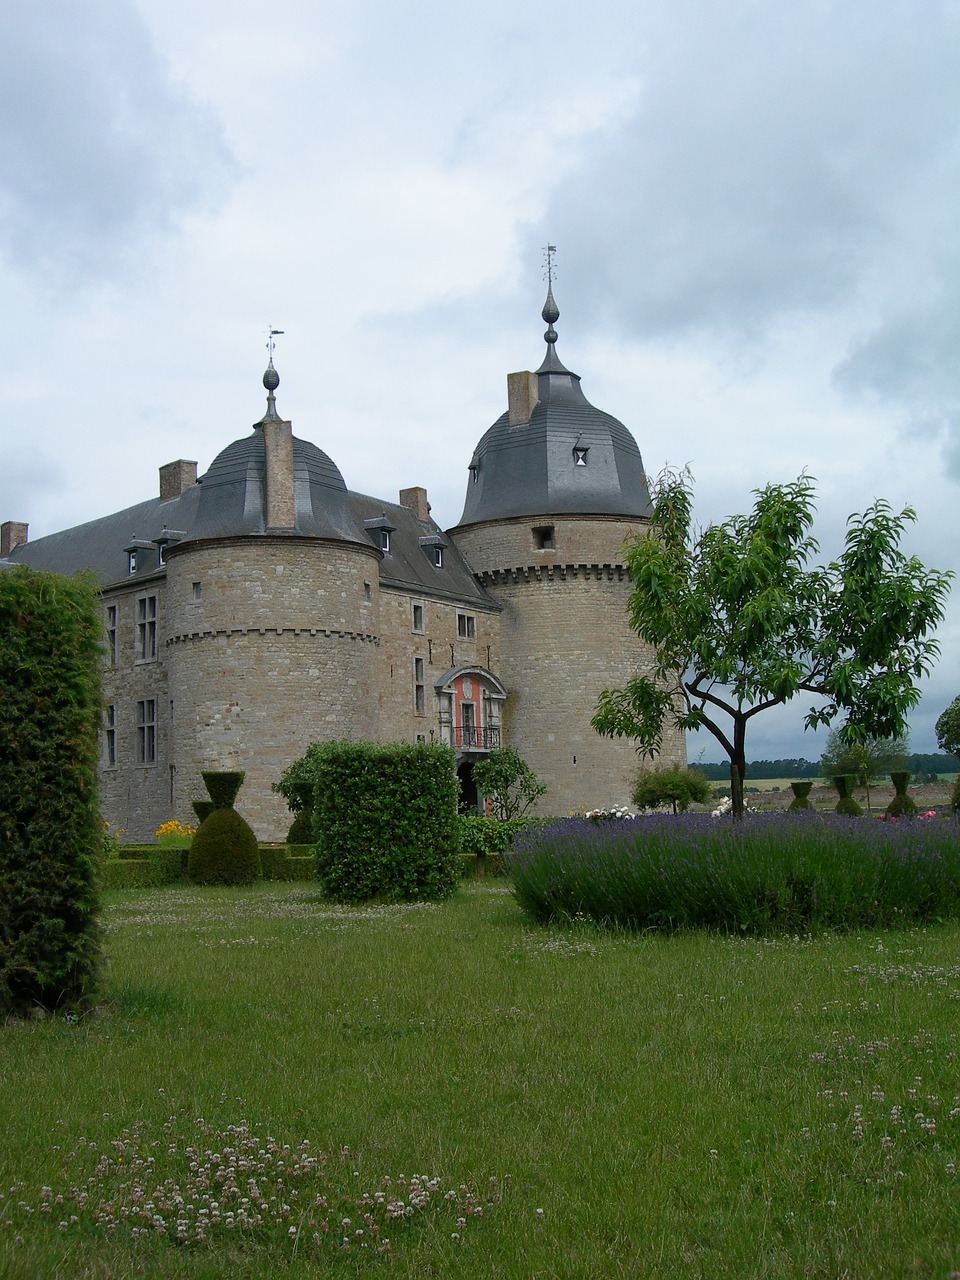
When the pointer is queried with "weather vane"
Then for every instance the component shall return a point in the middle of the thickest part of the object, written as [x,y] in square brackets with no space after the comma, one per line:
[273,333]
[549,269]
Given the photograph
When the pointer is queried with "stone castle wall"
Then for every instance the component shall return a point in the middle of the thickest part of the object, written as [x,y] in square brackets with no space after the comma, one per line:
[274,646]
[564,638]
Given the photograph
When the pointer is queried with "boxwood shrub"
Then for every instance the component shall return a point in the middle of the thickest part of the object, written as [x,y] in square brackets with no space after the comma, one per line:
[385,821]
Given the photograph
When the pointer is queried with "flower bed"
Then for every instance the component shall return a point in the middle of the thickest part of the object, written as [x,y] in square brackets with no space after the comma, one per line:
[772,872]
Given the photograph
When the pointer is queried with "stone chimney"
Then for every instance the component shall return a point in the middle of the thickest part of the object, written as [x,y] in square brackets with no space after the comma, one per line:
[416,500]
[175,477]
[523,395]
[278,453]
[12,534]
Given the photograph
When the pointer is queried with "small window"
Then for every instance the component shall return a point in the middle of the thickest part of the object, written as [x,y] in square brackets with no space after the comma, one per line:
[416,623]
[112,634]
[543,537]
[147,629]
[196,591]
[438,557]
[110,736]
[419,689]
[161,559]
[366,591]
[131,562]
[580,455]
[147,731]
[466,626]
[385,541]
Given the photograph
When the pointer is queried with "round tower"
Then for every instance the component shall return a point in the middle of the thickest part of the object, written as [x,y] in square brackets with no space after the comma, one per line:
[555,488]
[275,590]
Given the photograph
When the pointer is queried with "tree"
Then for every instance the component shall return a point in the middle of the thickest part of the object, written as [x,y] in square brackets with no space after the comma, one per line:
[508,782]
[675,785]
[865,758]
[948,728]
[740,622]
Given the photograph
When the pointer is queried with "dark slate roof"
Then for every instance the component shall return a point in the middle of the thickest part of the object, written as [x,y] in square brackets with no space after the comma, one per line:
[530,469]
[99,545]
[409,565]
[232,499]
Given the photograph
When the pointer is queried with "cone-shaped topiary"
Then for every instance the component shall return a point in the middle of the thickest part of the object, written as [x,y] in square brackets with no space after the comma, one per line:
[223,787]
[224,850]
[801,793]
[902,805]
[844,783]
[301,828]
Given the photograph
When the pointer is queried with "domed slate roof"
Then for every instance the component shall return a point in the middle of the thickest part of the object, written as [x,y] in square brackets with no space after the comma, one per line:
[570,458]
[233,491]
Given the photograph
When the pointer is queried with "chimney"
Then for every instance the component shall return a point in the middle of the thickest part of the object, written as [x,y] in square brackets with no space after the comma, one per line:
[278,451]
[416,500]
[523,396]
[12,534]
[175,477]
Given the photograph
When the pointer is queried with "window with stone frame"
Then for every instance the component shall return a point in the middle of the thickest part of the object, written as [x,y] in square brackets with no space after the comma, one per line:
[419,688]
[112,634]
[147,731]
[110,736]
[147,629]
[416,617]
[466,626]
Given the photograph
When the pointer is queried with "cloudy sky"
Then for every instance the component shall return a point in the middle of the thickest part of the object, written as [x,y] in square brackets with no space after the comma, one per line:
[755,208]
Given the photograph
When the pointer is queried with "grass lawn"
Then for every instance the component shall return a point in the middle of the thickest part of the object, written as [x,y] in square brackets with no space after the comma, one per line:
[648,1106]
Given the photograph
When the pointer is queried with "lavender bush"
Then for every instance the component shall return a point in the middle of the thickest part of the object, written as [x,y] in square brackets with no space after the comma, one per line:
[774,872]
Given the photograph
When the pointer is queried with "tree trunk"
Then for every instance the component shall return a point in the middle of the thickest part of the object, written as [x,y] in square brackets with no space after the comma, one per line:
[738,770]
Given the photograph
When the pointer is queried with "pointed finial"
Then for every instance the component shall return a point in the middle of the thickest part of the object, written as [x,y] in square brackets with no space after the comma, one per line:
[550,312]
[271,379]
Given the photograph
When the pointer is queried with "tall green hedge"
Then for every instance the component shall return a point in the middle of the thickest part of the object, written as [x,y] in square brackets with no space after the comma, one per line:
[50,827]
[385,821]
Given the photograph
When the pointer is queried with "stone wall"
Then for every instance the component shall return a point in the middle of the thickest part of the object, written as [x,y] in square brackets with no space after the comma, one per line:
[564,638]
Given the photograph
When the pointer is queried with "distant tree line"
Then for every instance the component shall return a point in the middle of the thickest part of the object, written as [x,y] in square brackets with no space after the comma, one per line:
[917,763]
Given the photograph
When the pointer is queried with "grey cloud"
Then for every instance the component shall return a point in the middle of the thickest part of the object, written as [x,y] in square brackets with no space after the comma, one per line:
[763,169]
[98,145]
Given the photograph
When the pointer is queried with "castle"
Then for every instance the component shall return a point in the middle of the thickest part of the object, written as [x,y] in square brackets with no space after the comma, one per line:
[263,606]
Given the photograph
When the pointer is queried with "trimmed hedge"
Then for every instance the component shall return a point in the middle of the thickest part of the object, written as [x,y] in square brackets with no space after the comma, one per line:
[224,850]
[385,821]
[51,833]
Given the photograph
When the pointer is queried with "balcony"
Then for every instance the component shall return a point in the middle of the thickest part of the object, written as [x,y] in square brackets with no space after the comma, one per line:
[472,738]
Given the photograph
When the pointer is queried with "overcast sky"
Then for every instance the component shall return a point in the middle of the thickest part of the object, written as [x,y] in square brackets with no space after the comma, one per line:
[755,208]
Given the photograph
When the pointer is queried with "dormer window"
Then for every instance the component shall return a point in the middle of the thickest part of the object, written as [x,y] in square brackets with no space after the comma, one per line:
[166,538]
[433,546]
[135,551]
[131,561]
[580,455]
[380,530]
[474,470]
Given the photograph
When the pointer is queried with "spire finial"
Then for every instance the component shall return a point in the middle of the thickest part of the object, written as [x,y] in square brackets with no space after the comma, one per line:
[271,379]
[550,312]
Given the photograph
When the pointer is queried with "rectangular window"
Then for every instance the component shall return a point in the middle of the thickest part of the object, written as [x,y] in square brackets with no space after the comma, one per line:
[196,591]
[466,626]
[112,634]
[110,736]
[131,562]
[419,690]
[417,617]
[385,541]
[438,557]
[147,629]
[147,731]
[543,537]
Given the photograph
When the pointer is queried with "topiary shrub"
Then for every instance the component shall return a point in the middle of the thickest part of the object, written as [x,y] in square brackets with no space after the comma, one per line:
[301,828]
[224,849]
[202,808]
[902,805]
[801,795]
[844,783]
[51,832]
[385,821]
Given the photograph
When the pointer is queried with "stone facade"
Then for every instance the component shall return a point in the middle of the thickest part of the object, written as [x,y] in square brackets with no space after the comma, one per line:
[264,607]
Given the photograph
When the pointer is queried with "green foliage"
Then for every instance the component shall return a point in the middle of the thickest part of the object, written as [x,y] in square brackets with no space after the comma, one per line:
[740,622]
[846,805]
[385,821]
[902,805]
[202,808]
[673,785]
[955,798]
[508,782]
[480,835]
[866,758]
[948,728]
[127,873]
[801,795]
[301,828]
[222,786]
[779,872]
[51,833]
[224,850]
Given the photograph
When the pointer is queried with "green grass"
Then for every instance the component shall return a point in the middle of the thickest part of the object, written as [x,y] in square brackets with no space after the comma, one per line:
[686,1105]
